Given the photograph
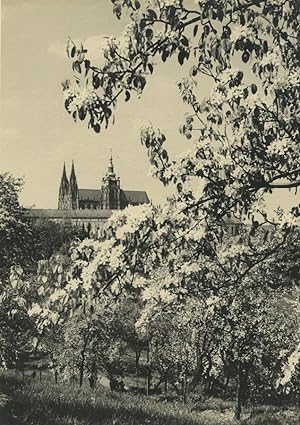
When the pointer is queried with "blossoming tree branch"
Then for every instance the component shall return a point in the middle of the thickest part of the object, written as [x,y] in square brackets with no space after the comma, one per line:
[244,143]
[245,135]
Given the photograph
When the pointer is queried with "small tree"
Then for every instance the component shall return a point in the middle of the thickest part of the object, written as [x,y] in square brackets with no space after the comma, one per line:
[18,331]
[52,238]
[15,232]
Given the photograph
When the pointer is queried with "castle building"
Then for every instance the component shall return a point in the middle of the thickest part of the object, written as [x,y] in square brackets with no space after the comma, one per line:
[110,196]
[90,208]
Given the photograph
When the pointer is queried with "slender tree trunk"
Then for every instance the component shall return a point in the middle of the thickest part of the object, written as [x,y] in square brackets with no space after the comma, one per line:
[166,385]
[93,375]
[73,369]
[81,369]
[242,378]
[238,406]
[137,359]
[184,388]
[148,378]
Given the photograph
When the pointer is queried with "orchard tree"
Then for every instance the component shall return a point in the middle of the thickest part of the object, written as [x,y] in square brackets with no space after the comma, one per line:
[15,231]
[167,259]
[52,238]
[168,255]
[18,331]
[93,341]
[245,135]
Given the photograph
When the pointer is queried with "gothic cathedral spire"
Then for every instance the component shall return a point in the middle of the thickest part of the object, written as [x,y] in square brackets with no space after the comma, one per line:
[111,165]
[110,189]
[68,197]
[63,190]
[73,189]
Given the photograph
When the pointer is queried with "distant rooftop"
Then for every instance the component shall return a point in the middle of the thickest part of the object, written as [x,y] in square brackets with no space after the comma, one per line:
[70,214]
[131,197]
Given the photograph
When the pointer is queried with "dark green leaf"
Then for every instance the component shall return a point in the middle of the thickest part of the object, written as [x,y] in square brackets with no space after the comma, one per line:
[165,55]
[152,14]
[245,56]
[195,30]
[77,67]
[97,128]
[184,41]
[253,88]
[181,56]
[82,113]
[127,96]
[164,154]
[149,33]
[73,51]
[96,81]
[150,67]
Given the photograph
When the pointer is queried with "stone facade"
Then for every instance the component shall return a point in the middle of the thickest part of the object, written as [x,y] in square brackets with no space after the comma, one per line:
[89,209]
[110,196]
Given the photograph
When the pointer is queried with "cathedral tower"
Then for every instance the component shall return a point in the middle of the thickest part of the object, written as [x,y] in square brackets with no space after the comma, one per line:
[64,192]
[110,189]
[73,188]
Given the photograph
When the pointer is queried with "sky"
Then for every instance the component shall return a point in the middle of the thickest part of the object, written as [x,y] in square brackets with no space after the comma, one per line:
[36,133]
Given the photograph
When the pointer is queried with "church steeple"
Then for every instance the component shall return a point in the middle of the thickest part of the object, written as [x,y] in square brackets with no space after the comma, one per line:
[63,196]
[110,190]
[111,165]
[73,188]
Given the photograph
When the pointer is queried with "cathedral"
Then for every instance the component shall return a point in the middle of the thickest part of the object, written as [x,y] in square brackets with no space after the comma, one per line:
[109,197]
[89,208]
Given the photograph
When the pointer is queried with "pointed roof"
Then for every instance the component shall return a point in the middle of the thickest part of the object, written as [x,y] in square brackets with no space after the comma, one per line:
[134,197]
[73,180]
[64,182]
[111,165]
[72,170]
[110,175]
[64,174]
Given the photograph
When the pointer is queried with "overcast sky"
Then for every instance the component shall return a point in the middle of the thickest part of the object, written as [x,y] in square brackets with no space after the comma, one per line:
[36,133]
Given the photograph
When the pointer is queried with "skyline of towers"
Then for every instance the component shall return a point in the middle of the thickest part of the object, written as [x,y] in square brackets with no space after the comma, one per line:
[109,196]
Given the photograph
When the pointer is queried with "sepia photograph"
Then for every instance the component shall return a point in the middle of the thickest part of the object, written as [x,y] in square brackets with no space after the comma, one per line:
[149,212]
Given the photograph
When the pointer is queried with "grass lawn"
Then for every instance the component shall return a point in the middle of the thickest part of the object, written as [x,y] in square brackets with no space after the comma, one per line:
[47,403]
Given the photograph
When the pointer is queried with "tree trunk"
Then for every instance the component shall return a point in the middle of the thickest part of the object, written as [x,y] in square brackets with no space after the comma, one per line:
[148,378]
[242,378]
[238,406]
[184,389]
[81,369]
[166,385]
[137,359]
[73,369]
[93,375]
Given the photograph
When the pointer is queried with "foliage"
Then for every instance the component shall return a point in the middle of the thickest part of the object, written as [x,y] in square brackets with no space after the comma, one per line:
[243,145]
[52,238]
[241,289]
[18,331]
[205,314]
[15,231]
[245,333]
[244,136]
[93,342]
